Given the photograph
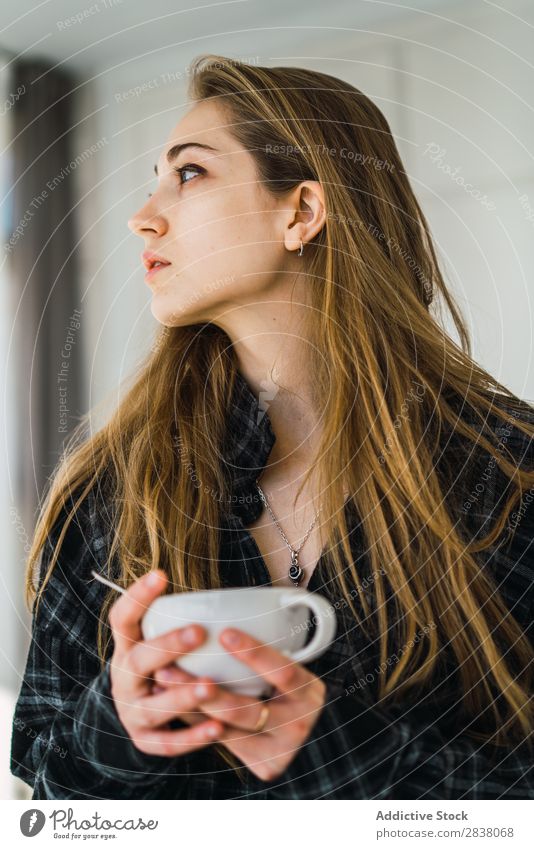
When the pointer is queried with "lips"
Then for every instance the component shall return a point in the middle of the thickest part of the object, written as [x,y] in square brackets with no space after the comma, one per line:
[151,260]
[155,270]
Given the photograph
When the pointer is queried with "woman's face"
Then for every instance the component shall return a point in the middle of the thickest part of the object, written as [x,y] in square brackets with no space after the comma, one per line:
[228,241]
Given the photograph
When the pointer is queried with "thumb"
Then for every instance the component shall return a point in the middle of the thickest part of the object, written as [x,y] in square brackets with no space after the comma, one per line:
[127,612]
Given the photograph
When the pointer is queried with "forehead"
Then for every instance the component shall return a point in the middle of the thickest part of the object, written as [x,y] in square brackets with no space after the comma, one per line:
[203,116]
[205,122]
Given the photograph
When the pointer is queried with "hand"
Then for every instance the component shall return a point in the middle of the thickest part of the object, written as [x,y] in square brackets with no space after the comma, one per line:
[294,710]
[132,666]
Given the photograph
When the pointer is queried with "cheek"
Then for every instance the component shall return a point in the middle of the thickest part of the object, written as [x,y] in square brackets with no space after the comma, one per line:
[223,250]
[228,246]
[225,219]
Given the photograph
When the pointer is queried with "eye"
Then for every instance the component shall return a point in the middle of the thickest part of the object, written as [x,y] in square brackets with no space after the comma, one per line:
[196,169]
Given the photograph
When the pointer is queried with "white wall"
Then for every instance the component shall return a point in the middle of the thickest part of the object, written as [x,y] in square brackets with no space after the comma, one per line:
[466,87]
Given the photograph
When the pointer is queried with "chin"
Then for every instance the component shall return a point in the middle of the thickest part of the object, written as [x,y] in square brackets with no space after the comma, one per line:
[171,317]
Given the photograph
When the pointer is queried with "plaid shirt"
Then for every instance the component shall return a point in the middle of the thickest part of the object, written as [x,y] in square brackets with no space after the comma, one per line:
[68,741]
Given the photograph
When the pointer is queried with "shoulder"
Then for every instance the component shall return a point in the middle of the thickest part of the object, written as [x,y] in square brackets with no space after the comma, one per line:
[486,492]
[71,597]
[502,418]
[472,463]
[512,444]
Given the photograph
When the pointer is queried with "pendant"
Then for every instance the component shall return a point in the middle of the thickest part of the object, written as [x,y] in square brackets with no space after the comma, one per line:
[295,572]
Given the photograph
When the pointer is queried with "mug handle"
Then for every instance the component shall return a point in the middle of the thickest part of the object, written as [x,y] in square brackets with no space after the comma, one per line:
[325,627]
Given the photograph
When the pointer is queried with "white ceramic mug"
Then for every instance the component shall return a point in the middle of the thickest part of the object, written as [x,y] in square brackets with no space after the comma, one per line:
[277,616]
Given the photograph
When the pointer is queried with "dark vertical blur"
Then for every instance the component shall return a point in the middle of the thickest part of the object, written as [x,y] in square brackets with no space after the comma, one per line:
[43,276]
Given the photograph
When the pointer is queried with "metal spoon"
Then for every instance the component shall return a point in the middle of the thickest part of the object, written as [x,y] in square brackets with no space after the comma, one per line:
[107,582]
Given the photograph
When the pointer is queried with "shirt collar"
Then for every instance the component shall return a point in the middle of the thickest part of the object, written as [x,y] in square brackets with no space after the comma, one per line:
[248,443]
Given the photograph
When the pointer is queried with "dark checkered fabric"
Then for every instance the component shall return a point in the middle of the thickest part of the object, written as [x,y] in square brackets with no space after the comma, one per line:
[68,741]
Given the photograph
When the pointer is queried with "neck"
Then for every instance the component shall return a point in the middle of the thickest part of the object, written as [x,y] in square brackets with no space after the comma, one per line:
[273,355]
[288,402]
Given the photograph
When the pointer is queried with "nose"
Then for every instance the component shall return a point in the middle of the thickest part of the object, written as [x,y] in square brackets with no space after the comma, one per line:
[147,220]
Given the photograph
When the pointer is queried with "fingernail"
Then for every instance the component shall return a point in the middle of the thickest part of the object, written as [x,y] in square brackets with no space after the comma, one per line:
[189,636]
[201,691]
[212,731]
[152,579]
[231,637]
[166,674]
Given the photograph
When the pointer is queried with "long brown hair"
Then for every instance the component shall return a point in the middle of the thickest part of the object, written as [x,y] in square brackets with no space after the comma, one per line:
[376,332]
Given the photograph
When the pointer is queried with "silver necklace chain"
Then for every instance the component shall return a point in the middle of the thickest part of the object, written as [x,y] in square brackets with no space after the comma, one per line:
[295,572]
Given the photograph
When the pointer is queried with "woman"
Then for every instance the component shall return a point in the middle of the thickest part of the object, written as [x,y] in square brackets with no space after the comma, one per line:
[302,404]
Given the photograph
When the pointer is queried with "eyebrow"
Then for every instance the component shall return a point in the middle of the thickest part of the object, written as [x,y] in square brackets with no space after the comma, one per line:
[175,151]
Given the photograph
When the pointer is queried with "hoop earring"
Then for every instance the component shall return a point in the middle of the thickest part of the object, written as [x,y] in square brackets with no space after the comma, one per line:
[301,249]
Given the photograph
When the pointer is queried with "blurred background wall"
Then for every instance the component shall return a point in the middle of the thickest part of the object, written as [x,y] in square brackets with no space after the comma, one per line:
[107,79]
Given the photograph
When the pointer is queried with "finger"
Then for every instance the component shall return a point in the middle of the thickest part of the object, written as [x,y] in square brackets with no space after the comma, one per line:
[241,741]
[192,718]
[126,613]
[243,712]
[150,655]
[216,701]
[278,669]
[180,742]
[157,709]
[172,674]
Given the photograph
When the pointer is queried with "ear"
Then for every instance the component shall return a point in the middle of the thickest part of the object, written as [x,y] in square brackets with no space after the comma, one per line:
[308,214]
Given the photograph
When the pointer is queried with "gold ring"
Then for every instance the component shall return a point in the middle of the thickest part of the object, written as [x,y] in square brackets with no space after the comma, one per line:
[262,721]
